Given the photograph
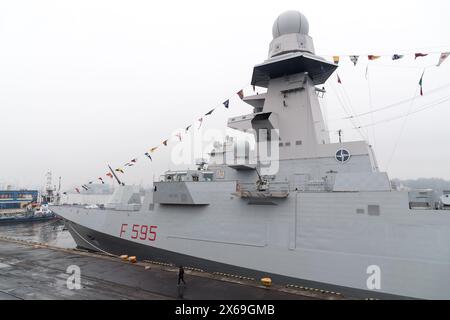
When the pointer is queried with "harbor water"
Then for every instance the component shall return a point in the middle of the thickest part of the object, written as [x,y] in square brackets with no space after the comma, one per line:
[49,232]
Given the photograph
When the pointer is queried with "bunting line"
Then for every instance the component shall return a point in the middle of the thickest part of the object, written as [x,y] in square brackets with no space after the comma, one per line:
[443,56]
[421,83]
[354,59]
[394,57]
[133,161]
[336,59]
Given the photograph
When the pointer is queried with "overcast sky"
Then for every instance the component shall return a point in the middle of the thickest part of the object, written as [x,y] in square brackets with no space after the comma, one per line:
[87,83]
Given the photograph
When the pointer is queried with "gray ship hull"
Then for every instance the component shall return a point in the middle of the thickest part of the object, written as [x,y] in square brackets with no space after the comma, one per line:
[93,240]
[318,237]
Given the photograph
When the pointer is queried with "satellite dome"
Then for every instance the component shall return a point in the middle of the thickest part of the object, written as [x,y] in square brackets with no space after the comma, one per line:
[290,22]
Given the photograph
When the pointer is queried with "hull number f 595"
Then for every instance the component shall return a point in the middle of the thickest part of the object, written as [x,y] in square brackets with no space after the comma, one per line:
[137,231]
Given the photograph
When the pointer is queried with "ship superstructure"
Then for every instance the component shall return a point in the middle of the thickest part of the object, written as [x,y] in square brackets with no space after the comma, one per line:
[297,208]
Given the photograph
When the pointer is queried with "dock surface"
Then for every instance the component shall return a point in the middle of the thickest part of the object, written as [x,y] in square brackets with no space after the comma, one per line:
[38,271]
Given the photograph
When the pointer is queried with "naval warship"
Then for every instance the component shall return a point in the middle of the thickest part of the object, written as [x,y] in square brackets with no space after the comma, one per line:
[312,212]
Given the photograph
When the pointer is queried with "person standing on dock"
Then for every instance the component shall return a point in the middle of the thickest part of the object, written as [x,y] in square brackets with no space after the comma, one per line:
[181,275]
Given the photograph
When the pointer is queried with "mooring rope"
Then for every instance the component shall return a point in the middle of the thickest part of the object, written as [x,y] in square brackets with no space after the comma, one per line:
[93,245]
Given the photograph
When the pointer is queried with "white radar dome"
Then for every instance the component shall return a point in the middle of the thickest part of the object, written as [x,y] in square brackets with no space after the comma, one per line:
[290,22]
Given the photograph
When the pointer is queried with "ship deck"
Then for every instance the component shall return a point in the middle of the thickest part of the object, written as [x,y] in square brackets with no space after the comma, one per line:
[34,271]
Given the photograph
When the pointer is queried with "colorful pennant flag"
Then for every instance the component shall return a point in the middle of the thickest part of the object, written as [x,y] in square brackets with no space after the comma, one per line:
[354,59]
[101,179]
[418,55]
[109,174]
[240,93]
[134,160]
[421,83]
[119,170]
[129,164]
[444,55]
[77,190]
[336,59]
[187,128]
[397,56]
[338,79]
[165,142]
[209,112]
[85,187]
[226,104]
[153,149]
[149,156]
[373,57]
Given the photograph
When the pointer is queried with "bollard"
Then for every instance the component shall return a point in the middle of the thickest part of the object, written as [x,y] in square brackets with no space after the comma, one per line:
[267,282]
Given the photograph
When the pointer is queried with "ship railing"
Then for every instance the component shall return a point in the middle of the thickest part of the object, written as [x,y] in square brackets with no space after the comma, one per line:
[274,190]
[273,187]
